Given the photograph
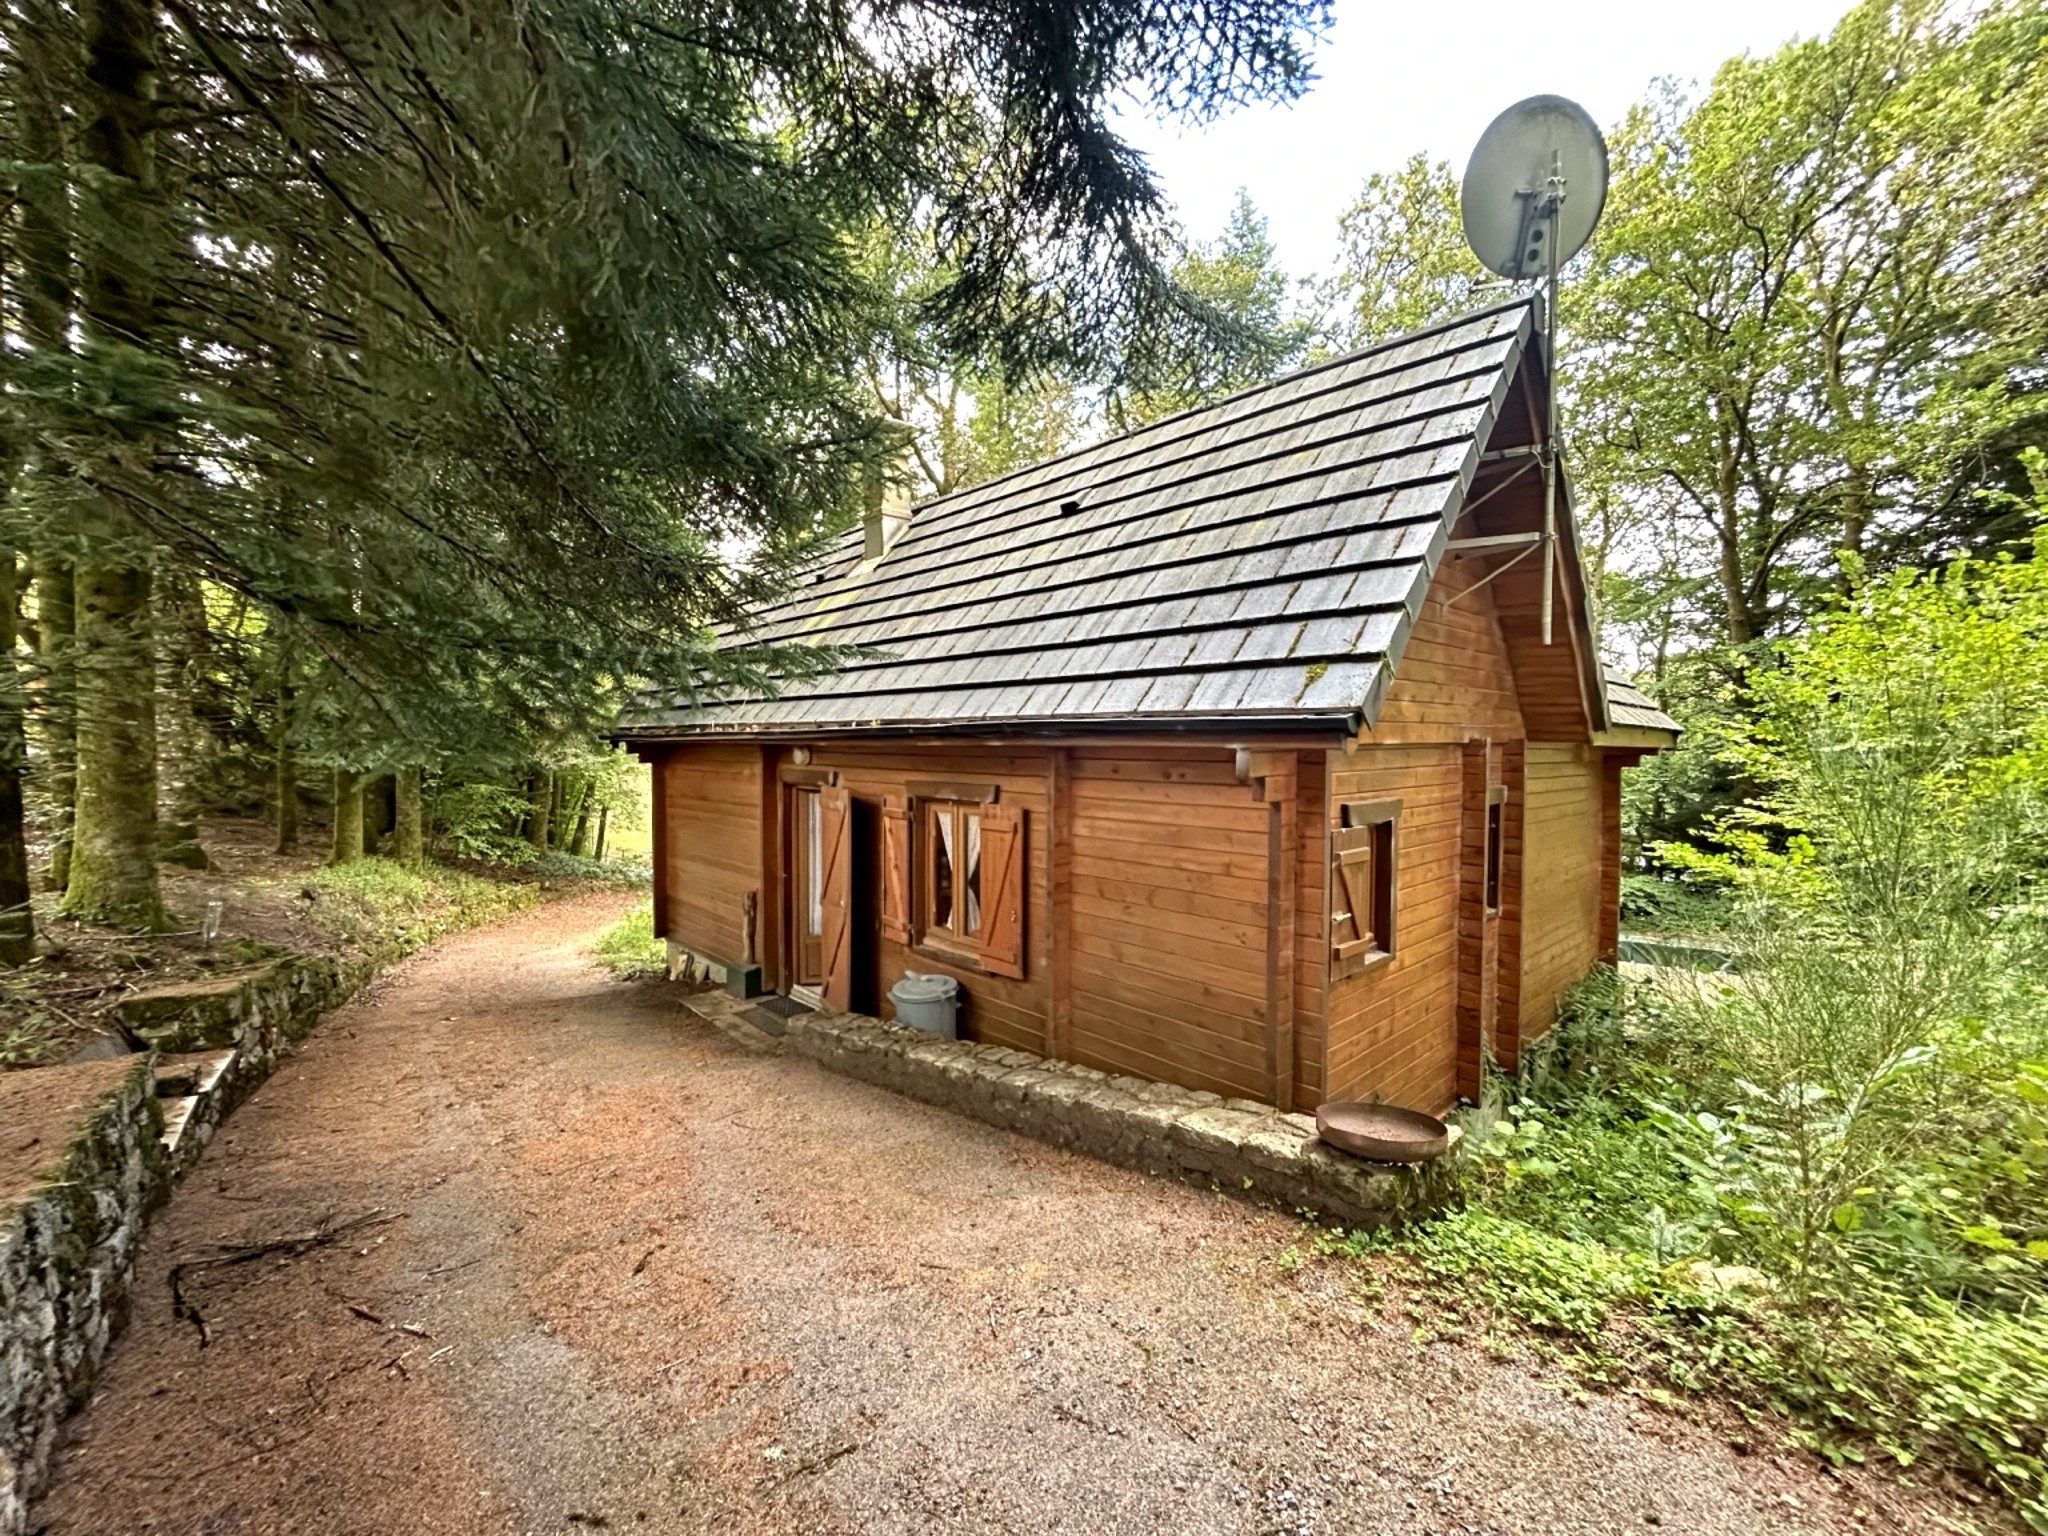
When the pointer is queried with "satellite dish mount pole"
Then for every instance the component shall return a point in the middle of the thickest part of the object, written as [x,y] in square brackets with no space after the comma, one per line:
[1553,204]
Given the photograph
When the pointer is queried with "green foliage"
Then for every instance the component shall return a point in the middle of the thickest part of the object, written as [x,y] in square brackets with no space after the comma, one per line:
[1404,261]
[1237,281]
[387,909]
[1807,315]
[629,947]
[556,865]
[497,354]
[1618,1216]
[480,820]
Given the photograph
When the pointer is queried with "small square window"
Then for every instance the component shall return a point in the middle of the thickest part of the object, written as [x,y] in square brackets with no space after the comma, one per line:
[1363,852]
[1496,798]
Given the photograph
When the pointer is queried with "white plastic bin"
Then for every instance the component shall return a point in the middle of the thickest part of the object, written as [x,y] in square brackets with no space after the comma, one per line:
[927,1002]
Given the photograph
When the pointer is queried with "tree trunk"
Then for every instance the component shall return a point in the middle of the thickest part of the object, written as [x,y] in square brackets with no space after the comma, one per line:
[1856,499]
[285,788]
[347,843]
[408,830]
[113,861]
[586,824]
[378,816]
[558,811]
[575,808]
[57,709]
[604,818]
[181,737]
[113,857]
[17,917]
[540,808]
[46,298]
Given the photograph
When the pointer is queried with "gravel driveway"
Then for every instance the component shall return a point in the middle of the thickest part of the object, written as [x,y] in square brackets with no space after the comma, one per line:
[643,1277]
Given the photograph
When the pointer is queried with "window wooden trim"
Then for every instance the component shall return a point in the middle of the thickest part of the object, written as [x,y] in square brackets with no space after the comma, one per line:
[1490,857]
[1001,829]
[811,778]
[945,939]
[1364,872]
[952,789]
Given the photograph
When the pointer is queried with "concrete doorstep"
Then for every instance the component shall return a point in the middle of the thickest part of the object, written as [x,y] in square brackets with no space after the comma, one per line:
[1237,1145]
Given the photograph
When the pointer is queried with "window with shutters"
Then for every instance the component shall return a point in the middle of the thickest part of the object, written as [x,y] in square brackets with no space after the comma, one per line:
[952,875]
[1363,851]
[953,879]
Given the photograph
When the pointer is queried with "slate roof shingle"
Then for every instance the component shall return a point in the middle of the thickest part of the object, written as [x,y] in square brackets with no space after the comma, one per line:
[1629,706]
[1257,560]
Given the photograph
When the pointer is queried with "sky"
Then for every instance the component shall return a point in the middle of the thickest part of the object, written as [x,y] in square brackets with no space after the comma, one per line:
[1399,76]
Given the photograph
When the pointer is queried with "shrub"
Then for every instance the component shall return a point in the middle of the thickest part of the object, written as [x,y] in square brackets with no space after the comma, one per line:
[629,947]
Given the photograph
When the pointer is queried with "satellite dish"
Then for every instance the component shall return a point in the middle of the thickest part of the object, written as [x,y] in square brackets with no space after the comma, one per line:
[1534,187]
[1533,191]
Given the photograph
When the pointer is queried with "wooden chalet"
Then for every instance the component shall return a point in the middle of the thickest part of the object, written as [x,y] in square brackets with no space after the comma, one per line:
[1226,753]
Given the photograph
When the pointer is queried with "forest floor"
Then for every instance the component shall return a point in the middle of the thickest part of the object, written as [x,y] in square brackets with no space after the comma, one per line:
[623,1272]
[62,1006]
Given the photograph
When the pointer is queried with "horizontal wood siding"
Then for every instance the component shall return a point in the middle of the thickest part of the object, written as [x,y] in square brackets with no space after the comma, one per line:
[1169,950]
[711,800]
[1560,936]
[1393,1030]
[1312,934]
[1455,678]
[994,1009]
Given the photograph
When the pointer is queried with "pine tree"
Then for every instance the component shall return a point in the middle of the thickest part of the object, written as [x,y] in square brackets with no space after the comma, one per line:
[345,843]
[408,829]
[17,918]
[526,317]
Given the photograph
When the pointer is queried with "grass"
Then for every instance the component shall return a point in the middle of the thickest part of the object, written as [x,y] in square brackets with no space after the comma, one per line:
[388,909]
[1607,1231]
[629,947]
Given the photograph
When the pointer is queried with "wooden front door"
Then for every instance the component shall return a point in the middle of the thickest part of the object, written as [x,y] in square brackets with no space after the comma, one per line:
[835,895]
[805,885]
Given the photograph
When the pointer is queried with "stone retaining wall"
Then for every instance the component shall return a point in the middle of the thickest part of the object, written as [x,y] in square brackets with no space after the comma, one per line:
[85,1156]
[1236,1144]
[84,1150]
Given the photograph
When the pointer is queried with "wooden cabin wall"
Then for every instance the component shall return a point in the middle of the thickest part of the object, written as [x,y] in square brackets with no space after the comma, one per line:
[1393,1030]
[709,800]
[994,1009]
[1168,932]
[1311,932]
[1561,873]
[1455,679]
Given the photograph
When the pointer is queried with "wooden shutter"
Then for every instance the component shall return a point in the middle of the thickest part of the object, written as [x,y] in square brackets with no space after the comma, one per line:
[1351,900]
[835,892]
[895,869]
[1002,890]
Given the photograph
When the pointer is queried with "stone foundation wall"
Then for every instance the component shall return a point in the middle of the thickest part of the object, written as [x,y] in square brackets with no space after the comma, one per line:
[1238,1145]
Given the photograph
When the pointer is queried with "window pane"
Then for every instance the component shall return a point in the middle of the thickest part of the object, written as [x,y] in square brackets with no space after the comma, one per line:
[814,865]
[942,870]
[973,881]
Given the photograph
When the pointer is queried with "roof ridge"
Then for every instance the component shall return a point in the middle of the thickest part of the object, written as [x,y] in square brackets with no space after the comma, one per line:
[1385,345]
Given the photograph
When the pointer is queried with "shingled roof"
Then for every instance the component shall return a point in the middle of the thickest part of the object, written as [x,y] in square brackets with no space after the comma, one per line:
[1628,706]
[1257,561]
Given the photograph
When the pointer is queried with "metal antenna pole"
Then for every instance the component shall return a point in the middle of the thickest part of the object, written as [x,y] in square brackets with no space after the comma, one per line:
[1556,200]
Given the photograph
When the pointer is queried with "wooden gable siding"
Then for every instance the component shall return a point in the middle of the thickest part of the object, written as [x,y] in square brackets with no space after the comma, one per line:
[1455,679]
[998,1010]
[1393,1029]
[1561,899]
[709,803]
[1168,932]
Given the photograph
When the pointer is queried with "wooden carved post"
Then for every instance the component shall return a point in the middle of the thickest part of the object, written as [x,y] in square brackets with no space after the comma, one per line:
[750,917]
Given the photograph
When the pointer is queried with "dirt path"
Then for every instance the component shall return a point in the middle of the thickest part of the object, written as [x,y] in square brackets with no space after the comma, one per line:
[649,1279]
